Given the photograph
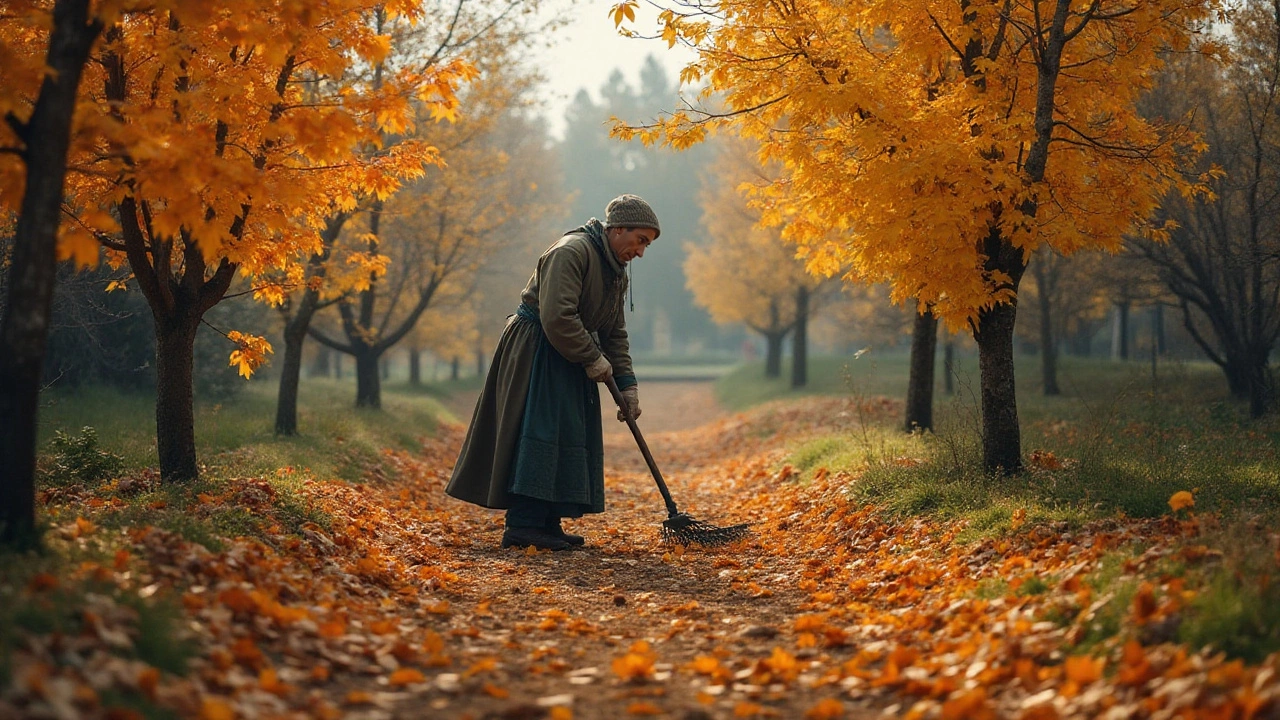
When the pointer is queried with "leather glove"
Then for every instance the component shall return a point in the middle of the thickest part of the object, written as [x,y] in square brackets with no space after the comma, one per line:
[599,369]
[631,399]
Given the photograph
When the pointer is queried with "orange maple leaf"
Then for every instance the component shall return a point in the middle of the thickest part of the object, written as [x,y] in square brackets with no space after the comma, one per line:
[1083,670]
[826,709]
[406,676]
[637,664]
[1181,499]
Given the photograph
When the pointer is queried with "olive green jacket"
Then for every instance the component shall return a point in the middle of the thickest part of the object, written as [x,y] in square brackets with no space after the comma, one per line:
[578,290]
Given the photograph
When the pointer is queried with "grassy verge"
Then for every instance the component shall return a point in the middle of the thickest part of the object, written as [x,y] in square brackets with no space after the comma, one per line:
[97,474]
[250,478]
[1114,442]
[1119,442]
[239,438]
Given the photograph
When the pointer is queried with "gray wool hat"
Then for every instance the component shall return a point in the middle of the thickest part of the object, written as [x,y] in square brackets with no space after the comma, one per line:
[629,211]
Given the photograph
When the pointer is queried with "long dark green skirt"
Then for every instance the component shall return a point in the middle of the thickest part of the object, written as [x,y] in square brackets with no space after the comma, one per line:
[560,457]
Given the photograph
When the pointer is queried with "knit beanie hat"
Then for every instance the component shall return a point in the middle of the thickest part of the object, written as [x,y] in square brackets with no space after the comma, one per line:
[629,211]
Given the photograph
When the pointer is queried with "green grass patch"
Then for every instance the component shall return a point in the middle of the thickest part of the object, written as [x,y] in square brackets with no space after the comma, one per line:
[440,390]
[1118,440]
[1236,609]
[867,375]
[100,443]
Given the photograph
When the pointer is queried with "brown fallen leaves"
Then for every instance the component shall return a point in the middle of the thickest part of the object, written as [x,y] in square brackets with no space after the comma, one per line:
[404,606]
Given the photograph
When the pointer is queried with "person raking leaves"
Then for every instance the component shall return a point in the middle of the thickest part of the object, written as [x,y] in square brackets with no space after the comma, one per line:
[534,447]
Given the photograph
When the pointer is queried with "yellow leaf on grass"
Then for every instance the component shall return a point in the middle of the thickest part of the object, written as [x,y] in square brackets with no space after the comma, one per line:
[561,712]
[643,707]
[1181,499]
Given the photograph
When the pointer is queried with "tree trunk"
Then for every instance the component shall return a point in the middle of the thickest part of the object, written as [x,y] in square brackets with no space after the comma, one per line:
[175,412]
[415,367]
[773,354]
[368,385]
[454,367]
[1120,333]
[24,329]
[800,340]
[924,345]
[1001,435]
[1261,385]
[1237,377]
[320,366]
[1048,342]
[1081,342]
[949,364]
[295,335]
[1159,340]
[385,364]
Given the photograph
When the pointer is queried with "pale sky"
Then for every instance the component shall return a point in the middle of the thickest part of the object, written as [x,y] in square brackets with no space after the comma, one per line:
[589,48]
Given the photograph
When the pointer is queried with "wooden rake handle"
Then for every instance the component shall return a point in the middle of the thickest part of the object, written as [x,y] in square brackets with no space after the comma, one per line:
[644,447]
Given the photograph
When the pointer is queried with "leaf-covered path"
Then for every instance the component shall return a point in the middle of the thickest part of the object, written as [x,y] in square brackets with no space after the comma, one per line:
[405,606]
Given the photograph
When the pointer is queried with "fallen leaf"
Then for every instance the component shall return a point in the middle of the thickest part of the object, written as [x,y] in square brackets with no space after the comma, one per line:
[1181,499]
[406,676]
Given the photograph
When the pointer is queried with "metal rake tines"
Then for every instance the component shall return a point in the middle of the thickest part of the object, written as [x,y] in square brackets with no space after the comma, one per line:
[684,530]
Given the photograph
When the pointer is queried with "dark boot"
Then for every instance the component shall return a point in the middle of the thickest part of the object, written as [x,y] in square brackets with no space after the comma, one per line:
[553,527]
[532,536]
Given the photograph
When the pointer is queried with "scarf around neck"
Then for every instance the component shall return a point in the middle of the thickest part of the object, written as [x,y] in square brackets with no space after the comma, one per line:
[617,277]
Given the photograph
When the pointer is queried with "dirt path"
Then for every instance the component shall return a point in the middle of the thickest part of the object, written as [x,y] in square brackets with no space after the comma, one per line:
[568,629]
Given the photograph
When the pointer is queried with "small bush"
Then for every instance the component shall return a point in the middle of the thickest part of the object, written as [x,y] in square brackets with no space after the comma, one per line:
[78,459]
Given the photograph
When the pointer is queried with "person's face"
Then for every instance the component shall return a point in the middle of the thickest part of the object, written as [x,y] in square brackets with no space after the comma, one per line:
[630,243]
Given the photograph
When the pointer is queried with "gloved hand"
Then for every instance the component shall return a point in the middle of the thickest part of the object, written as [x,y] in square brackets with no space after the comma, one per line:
[599,369]
[631,398]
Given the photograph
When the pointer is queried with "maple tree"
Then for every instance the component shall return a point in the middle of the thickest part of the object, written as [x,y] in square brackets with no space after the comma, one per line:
[442,228]
[42,61]
[744,273]
[454,33]
[936,147]
[213,148]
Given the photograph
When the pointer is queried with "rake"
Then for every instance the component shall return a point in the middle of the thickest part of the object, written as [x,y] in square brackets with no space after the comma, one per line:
[679,527]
